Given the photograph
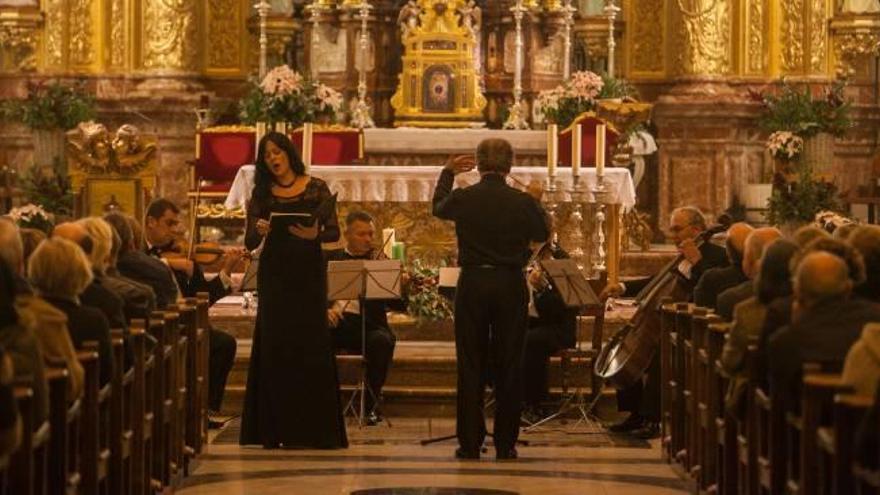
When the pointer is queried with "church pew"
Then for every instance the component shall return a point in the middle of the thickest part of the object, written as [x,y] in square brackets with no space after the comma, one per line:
[181,345]
[768,427]
[64,421]
[28,465]
[120,419]
[94,442]
[704,465]
[203,304]
[192,410]
[141,410]
[668,385]
[721,429]
[684,374]
[836,444]
[197,371]
[160,468]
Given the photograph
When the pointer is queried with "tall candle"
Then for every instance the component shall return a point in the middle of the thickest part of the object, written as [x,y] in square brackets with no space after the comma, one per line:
[552,149]
[600,149]
[261,131]
[576,149]
[388,242]
[308,129]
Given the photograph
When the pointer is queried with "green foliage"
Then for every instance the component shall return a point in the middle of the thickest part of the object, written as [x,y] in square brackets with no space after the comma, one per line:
[799,112]
[51,106]
[50,188]
[800,201]
[294,109]
[424,301]
[615,88]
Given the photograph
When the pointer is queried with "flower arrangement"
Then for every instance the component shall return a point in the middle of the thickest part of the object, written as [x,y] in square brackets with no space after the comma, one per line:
[801,113]
[284,95]
[51,106]
[785,145]
[799,202]
[562,104]
[32,216]
[50,187]
[424,301]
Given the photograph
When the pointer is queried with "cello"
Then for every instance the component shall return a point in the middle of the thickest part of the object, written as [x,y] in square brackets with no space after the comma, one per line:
[628,353]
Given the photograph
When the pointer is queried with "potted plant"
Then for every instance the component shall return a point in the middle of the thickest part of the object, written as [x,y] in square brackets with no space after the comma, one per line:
[285,96]
[50,109]
[796,203]
[424,301]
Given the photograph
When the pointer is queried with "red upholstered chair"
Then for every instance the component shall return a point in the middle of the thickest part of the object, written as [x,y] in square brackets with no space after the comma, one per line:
[588,122]
[220,152]
[333,145]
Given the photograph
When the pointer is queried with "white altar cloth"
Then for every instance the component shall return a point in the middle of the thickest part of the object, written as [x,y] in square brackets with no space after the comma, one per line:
[398,184]
[442,141]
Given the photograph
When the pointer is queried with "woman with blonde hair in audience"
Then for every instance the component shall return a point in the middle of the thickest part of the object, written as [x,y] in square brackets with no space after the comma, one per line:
[60,271]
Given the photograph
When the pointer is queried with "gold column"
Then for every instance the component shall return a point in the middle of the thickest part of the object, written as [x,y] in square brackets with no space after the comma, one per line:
[169,42]
[802,34]
[646,50]
[19,38]
[225,37]
[702,31]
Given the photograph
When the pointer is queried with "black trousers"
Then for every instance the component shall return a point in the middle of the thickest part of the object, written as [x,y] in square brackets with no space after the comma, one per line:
[491,315]
[541,343]
[643,397]
[220,361]
[379,353]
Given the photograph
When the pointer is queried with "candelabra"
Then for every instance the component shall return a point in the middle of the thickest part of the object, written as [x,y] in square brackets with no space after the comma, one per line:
[263,8]
[517,117]
[568,16]
[316,9]
[600,197]
[578,195]
[611,10]
[360,116]
[551,199]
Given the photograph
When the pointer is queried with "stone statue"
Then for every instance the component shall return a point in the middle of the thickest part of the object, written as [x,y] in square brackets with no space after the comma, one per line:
[408,19]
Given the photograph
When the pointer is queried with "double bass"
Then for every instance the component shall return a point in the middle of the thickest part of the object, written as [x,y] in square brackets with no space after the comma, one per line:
[628,353]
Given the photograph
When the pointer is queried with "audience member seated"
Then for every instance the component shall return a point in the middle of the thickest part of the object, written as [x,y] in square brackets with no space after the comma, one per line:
[138,299]
[48,323]
[344,317]
[826,319]
[10,422]
[772,282]
[807,234]
[754,249]
[21,346]
[843,232]
[861,370]
[60,272]
[717,280]
[95,295]
[135,264]
[866,240]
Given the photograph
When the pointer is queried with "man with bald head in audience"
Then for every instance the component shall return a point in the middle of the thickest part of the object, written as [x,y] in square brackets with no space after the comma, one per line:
[754,247]
[717,280]
[826,321]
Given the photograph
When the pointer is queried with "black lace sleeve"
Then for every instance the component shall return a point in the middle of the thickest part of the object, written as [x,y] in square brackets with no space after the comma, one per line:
[329,221]
[255,211]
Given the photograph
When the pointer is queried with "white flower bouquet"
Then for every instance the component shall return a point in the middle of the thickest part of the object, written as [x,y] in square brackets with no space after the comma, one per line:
[785,145]
[31,216]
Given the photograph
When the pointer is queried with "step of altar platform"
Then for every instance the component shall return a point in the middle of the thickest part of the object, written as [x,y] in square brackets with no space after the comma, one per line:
[421,381]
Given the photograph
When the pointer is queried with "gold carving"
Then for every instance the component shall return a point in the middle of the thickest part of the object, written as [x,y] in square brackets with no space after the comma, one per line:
[647,37]
[117,33]
[791,39]
[704,36]
[224,19]
[855,39]
[18,39]
[54,32]
[81,52]
[818,36]
[755,37]
[93,150]
[170,27]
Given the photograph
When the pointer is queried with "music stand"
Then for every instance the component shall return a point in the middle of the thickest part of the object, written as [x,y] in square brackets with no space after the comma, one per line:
[363,280]
[575,291]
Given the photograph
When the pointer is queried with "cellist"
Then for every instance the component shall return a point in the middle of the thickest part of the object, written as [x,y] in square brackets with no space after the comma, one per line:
[642,399]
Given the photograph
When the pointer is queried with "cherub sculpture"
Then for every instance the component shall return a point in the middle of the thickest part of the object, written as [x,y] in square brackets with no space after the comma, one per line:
[92,150]
[130,149]
[408,19]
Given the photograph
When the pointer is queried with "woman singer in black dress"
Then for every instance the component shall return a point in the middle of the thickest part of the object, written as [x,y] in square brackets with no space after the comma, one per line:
[292,397]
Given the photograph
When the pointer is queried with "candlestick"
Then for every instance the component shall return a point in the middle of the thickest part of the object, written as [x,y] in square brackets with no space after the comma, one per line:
[308,130]
[261,131]
[552,148]
[388,242]
[600,150]
[576,149]
[578,194]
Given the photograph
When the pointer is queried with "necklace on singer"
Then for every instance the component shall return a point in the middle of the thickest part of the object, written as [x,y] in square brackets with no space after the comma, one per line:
[288,184]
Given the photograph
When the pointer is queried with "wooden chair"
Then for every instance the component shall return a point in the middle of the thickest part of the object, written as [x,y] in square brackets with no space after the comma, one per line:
[721,433]
[28,465]
[162,403]
[142,409]
[668,384]
[121,432]
[837,444]
[64,419]
[95,439]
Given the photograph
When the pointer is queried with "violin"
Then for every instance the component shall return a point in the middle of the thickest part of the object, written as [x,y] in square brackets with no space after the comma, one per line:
[203,253]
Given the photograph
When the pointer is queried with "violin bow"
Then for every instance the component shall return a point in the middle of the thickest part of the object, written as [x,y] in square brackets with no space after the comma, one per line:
[194,220]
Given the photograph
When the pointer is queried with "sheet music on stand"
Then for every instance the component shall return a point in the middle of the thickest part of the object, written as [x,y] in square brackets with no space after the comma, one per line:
[367,279]
[571,284]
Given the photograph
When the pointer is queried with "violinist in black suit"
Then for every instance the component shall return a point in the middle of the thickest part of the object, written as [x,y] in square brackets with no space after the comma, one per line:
[642,399]
[344,317]
[161,227]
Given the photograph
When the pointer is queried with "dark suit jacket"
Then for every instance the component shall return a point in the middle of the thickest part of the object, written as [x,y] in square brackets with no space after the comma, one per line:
[139,298]
[728,299]
[85,324]
[824,333]
[190,286]
[141,267]
[98,296]
[713,256]
[715,281]
[778,317]
[375,310]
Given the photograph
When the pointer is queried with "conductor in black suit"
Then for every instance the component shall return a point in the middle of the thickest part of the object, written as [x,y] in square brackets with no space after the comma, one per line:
[345,316]
[495,225]
[161,225]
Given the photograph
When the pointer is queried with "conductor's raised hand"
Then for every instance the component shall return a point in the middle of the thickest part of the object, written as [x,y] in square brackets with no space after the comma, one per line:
[461,164]
[262,227]
[305,233]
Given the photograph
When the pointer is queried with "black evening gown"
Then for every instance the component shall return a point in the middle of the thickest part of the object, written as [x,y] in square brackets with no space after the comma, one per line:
[292,396]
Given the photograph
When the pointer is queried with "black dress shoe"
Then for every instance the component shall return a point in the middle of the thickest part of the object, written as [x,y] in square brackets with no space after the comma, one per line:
[506,455]
[649,431]
[373,419]
[460,453]
[632,423]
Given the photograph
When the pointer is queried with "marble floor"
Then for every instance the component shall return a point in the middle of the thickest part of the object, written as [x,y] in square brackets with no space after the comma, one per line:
[558,461]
